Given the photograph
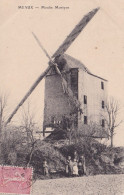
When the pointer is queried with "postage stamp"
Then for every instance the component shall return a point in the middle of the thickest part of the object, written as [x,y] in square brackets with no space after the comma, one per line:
[16,180]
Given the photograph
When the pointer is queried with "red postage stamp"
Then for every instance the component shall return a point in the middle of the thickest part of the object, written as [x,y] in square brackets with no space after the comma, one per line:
[16,180]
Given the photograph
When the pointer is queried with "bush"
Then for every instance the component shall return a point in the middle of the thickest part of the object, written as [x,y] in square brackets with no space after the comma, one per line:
[17,151]
[55,160]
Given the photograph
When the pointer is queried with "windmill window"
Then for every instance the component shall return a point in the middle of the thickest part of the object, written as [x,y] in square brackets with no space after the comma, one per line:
[85,99]
[103,105]
[85,119]
[102,85]
[103,123]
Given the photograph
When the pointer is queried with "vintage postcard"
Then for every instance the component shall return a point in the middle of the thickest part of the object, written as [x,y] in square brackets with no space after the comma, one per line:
[61,97]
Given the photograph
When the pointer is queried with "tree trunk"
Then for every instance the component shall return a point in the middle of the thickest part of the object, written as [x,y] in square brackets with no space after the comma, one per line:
[111,140]
[30,157]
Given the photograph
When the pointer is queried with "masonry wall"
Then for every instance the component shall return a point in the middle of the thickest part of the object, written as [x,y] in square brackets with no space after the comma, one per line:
[56,102]
[91,87]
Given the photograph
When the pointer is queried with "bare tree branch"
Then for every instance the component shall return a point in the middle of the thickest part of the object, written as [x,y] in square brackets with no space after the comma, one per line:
[112,108]
[29,125]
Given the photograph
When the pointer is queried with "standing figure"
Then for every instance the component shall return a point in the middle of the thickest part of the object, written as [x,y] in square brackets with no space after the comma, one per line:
[69,166]
[45,168]
[76,155]
[75,167]
[82,166]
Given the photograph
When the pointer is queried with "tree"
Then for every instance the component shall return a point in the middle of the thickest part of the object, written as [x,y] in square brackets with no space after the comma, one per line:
[29,125]
[28,122]
[112,109]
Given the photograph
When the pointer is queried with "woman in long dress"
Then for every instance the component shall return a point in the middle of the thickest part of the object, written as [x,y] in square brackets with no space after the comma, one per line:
[75,168]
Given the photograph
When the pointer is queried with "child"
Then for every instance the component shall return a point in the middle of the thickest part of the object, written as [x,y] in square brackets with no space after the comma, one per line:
[45,168]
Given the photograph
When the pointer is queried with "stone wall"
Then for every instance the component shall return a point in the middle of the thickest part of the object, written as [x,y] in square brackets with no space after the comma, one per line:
[56,102]
[90,86]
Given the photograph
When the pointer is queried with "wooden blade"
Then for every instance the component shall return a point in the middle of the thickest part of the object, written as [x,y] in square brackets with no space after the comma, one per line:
[28,93]
[41,46]
[76,31]
[51,61]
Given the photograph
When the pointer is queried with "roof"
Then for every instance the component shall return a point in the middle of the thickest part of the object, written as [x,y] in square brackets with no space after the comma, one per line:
[74,63]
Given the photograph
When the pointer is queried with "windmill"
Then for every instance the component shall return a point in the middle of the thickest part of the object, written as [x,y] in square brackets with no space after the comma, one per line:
[53,63]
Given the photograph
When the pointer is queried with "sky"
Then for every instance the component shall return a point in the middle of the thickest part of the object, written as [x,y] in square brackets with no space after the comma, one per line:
[100,47]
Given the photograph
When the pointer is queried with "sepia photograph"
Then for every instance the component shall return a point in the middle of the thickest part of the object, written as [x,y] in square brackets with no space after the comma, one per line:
[61,97]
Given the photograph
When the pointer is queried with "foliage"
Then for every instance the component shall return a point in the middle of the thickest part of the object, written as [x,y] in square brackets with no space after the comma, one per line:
[15,149]
[99,158]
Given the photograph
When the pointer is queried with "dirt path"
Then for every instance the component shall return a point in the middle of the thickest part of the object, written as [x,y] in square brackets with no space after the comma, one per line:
[91,185]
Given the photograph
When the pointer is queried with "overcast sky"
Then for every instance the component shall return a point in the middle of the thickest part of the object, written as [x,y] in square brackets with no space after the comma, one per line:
[100,47]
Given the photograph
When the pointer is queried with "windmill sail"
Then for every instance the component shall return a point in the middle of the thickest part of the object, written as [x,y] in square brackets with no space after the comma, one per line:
[29,93]
[39,43]
[74,34]
[48,56]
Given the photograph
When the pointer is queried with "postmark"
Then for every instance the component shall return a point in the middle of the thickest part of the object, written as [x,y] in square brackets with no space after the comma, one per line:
[16,180]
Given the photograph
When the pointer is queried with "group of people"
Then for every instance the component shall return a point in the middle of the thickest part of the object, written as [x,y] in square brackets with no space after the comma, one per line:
[75,167]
